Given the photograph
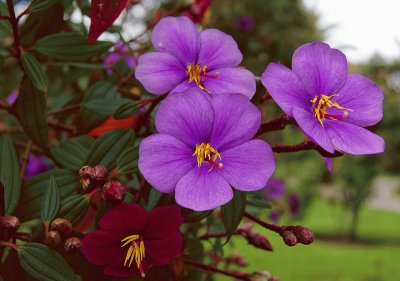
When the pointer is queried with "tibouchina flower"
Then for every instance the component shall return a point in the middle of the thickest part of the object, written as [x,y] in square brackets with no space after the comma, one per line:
[203,147]
[274,190]
[186,58]
[330,105]
[131,240]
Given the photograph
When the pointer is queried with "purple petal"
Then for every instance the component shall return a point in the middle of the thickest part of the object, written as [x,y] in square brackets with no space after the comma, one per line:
[178,37]
[111,59]
[218,50]
[285,88]
[163,160]
[183,86]
[130,61]
[353,139]
[312,128]
[236,121]
[322,70]
[100,247]
[248,166]
[159,72]
[201,189]
[364,98]
[274,189]
[231,80]
[328,163]
[188,116]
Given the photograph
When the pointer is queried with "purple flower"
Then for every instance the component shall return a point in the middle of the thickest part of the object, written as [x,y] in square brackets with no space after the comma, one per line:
[274,189]
[36,165]
[330,105]
[294,204]
[245,23]
[203,147]
[12,97]
[120,52]
[186,58]
[275,216]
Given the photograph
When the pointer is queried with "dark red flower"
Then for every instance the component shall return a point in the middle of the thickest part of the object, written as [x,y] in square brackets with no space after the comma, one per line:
[196,12]
[131,240]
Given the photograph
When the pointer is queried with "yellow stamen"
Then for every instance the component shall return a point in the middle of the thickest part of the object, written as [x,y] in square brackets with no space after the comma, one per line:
[205,152]
[320,105]
[197,74]
[136,251]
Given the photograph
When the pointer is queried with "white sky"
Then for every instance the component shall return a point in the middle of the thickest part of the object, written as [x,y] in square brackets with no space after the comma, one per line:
[361,28]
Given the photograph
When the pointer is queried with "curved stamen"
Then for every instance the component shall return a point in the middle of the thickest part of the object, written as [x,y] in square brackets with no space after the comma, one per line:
[136,251]
[320,104]
[205,152]
[197,74]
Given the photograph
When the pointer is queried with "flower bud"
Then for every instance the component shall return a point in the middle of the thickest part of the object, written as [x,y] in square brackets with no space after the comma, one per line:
[53,238]
[86,186]
[256,239]
[113,192]
[237,259]
[303,234]
[9,226]
[62,226]
[289,238]
[85,172]
[98,176]
[260,276]
[73,245]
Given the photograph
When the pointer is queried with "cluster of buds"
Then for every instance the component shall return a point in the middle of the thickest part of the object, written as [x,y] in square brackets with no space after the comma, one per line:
[237,259]
[8,227]
[253,237]
[297,234]
[98,178]
[60,231]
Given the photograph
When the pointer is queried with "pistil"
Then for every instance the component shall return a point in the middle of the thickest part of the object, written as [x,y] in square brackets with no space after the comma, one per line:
[205,152]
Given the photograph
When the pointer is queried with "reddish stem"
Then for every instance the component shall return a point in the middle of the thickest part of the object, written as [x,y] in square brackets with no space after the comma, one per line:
[209,268]
[272,227]
[305,145]
[278,123]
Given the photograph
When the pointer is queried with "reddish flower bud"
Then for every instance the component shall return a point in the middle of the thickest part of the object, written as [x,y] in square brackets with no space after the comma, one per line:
[260,276]
[237,259]
[98,176]
[85,172]
[304,235]
[9,226]
[113,192]
[256,239]
[73,245]
[53,238]
[62,226]
[289,238]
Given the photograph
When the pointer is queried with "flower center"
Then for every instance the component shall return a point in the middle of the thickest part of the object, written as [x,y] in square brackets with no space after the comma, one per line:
[205,152]
[197,74]
[136,251]
[320,104]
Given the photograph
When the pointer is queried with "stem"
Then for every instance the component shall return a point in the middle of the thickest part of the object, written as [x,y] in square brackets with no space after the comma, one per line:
[8,244]
[272,227]
[26,12]
[278,123]
[14,24]
[237,276]
[217,235]
[25,157]
[174,275]
[305,145]
[65,109]
[58,125]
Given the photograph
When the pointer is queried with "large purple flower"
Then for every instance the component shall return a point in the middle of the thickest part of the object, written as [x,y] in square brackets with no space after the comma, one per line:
[186,58]
[203,147]
[330,105]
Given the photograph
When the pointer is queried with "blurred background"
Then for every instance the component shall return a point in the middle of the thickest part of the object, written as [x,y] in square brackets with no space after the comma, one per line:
[355,210]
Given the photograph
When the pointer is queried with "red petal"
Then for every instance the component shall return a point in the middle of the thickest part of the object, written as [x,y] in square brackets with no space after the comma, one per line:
[103,15]
[161,252]
[100,247]
[163,221]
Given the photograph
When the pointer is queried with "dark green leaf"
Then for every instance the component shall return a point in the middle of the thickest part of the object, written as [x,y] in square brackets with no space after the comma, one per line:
[194,249]
[9,173]
[2,200]
[81,65]
[34,71]
[44,264]
[233,211]
[261,203]
[34,189]
[105,106]
[154,197]
[193,216]
[128,160]
[38,5]
[51,201]
[70,47]
[89,118]
[71,154]
[31,109]
[127,109]
[74,208]
[109,146]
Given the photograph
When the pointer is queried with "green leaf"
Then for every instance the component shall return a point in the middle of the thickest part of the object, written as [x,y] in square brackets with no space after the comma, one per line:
[154,197]
[261,203]
[38,5]
[127,162]
[194,216]
[71,154]
[44,264]
[51,201]
[89,118]
[74,208]
[105,106]
[31,109]
[34,71]
[70,46]
[34,189]
[10,174]
[233,211]
[127,109]
[109,146]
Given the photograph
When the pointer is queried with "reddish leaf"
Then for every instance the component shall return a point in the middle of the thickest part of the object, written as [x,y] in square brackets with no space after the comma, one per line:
[103,15]
[110,124]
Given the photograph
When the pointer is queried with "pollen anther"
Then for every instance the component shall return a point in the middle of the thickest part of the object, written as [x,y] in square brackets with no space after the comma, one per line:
[198,73]
[320,105]
[205,152]
[136,251]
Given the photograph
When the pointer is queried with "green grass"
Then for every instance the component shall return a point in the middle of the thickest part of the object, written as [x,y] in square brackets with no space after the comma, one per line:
[376,260]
